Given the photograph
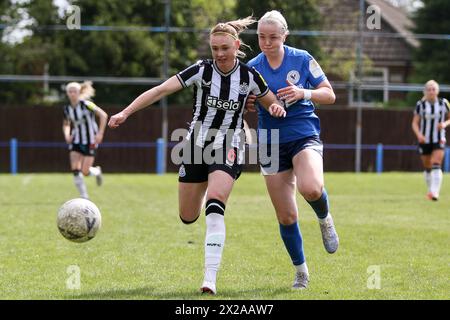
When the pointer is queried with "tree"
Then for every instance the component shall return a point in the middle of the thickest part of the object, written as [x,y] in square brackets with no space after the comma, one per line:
[17,59]
[431,58]
[105,53]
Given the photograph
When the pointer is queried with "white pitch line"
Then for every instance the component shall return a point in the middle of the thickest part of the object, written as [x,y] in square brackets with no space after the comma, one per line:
[26,180]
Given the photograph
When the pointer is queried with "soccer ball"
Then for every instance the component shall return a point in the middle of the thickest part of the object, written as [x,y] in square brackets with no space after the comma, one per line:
[79,220]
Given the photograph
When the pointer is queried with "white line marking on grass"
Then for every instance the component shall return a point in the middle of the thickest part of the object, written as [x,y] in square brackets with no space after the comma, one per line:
[26,180]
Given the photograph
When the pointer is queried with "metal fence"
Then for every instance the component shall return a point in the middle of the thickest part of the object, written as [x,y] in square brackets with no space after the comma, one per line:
[14,150]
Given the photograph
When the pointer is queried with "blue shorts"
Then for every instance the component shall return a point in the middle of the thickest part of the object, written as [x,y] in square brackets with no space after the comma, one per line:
[271,163]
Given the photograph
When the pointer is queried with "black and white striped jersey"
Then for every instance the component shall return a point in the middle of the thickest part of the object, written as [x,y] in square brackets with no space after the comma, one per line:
[82,122]
[219,101]
[431,114]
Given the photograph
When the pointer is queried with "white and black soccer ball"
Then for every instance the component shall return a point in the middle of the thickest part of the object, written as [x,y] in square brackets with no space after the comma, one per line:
[79,220]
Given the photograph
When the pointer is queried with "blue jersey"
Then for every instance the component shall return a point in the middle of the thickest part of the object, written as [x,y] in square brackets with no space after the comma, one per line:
[301,69]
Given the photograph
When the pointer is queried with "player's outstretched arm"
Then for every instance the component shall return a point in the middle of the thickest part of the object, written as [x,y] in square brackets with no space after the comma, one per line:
[272,105]
[145,99]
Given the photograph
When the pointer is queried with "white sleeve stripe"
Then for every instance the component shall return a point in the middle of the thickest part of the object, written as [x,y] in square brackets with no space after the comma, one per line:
[181,81]
[263,94]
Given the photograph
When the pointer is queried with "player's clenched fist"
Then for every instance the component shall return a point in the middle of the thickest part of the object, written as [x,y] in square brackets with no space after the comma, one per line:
[116,120]
[277,111]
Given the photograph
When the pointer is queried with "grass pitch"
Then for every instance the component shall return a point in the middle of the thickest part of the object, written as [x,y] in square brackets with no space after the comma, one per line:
[394,242]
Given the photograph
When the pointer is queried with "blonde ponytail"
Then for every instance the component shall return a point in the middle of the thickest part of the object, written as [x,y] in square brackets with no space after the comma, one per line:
[234,29]
[86,90]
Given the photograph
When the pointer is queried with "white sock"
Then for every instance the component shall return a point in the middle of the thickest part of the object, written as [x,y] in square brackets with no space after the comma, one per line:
[427,176]
[436,180]
[302,268]
[94,171]
[322,221]
[214,242]
[79,183]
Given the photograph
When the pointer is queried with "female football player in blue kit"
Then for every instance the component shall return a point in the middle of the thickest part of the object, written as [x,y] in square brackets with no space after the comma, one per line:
[298,80]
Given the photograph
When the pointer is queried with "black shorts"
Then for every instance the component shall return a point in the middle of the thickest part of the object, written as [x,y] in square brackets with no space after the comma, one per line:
[84,149]
[197,171]
[425,149]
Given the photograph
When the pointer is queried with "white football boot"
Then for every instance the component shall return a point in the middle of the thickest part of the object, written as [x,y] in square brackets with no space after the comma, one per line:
[99,177]
[329,235]
[301,280]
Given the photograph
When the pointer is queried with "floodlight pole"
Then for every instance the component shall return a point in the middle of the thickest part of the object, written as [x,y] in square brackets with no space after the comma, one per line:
[164,125]
[359,76]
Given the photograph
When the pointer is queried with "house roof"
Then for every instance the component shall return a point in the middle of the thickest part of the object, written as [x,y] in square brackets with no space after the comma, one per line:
[343,15]
[397,18]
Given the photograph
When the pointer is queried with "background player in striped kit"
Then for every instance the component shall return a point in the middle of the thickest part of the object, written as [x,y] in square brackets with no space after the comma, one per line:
[298,79]
[82,133]
[431,117]
[221,88]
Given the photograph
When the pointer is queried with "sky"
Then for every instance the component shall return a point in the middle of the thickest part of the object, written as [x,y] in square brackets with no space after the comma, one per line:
[14,35]
[410,5]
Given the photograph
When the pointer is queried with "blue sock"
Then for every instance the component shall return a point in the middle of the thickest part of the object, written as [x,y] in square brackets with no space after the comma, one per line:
[293,242]
[320,206]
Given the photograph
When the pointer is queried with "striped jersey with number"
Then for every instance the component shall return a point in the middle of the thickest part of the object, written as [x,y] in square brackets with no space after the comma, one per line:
[431,114]
[219,101]
[82,122]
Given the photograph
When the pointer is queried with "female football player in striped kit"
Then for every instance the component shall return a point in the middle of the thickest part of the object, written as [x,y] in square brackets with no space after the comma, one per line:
[431,117]
[297,79]
[221,88]
[82,133]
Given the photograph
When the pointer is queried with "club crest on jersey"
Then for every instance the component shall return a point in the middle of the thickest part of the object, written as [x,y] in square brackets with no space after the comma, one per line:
[231,157]
[182,171]
[214,102]
[243,88]
[293,76]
